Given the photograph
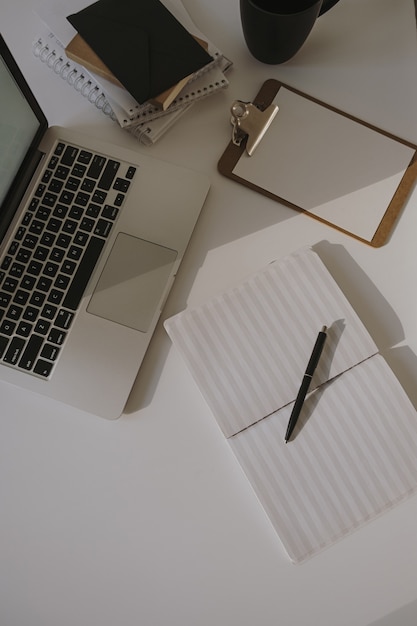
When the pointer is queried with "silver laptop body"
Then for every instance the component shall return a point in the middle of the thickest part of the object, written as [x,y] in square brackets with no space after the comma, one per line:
[77,338]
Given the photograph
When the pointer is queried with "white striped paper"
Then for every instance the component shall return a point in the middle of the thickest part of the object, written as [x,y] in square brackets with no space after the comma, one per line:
[248,347]
[353,457]
[353,453]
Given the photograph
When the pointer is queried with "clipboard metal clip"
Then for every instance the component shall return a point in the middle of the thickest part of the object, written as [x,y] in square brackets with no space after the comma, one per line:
[249,121]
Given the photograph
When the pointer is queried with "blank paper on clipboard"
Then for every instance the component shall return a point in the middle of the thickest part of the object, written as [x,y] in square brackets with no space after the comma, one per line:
[321,161]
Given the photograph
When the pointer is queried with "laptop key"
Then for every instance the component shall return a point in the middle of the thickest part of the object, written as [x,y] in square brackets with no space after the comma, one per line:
[50,269]
[103,228]
[27,282]
[88,185]
[62,172]
[23,255]
[30,241]
[53,162]
[54,224]
[36,227]
[26,218]
[17,270]
[21,296]
[68,267]
[66,197]
[57,336]
[69,156]
[14,312]
[13,247]
[119,199]
[108,174]
[50,352]
[61,281]
[84,157]
[131,172]
[33,204]
[59,148]
[110,212]
[5,299]
[30,313]
[47,239]
[83,273]
[55,296]
[3,345]
[49,311]
[24,329]
[10,284]
[42,326]
[37,298]
[41,253]
[82,199]
[14,350]
[63,241]
[99,197]
[40,190]
[96,166]
[72,183]
[78,170]
[49,199]
[55,185]
[121,185]
[20,233]
[30,352]
[6,262]
[43,368]
[64,319]
[7,328]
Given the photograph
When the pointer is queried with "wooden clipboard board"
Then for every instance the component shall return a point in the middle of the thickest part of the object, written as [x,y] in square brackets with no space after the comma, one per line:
[399,186]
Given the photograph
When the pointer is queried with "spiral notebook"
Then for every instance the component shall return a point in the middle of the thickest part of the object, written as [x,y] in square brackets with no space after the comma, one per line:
[148,124]
[354,450]
[126,109]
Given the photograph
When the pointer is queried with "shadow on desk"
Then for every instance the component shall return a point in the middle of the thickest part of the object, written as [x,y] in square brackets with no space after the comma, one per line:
[406,616]
[239,220]
[372,308]
[375,312]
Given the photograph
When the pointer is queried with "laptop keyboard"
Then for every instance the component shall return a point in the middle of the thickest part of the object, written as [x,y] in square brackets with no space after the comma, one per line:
[56,246]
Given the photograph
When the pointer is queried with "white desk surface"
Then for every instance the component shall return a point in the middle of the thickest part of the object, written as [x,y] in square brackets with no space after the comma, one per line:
[149,520]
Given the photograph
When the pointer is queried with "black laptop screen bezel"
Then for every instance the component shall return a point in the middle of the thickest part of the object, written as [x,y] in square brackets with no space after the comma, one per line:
[18,186]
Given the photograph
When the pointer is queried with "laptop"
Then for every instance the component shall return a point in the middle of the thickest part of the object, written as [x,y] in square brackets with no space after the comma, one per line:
[92,236]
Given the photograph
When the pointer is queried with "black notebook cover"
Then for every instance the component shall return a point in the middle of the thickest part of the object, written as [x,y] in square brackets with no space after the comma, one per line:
[142,43]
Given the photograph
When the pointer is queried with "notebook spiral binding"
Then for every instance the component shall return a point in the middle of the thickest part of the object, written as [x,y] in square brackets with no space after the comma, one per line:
[148,123]
[49,54]
[73,76]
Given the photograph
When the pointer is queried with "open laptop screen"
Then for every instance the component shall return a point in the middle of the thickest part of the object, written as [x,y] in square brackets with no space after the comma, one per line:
[21,126]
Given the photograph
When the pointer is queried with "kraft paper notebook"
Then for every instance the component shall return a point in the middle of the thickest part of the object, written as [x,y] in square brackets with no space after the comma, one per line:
[354,451]
[326,163]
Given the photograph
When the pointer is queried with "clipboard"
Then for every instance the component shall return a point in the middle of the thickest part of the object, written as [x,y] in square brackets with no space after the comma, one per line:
[319,160]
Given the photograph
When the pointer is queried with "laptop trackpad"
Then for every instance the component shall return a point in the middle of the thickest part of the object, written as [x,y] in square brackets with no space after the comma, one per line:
[132,282]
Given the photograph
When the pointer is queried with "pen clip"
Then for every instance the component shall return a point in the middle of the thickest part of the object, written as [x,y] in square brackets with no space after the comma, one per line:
[250,122]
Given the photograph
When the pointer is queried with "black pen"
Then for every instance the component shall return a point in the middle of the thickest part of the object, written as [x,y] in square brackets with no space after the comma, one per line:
[302,392]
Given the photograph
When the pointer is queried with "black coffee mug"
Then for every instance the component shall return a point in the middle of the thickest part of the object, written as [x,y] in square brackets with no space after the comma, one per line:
[275,30]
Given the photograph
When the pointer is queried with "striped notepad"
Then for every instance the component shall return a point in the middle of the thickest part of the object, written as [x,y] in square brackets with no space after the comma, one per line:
[354,451]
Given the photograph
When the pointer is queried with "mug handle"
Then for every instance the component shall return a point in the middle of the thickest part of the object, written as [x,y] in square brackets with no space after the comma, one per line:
[327,4]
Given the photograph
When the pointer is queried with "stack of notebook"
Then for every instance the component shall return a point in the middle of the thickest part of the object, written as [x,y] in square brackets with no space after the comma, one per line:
[150,87]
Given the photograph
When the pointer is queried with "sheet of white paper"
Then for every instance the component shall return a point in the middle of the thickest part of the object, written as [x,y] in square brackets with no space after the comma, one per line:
[354,457]
[248,348]
[327,164]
